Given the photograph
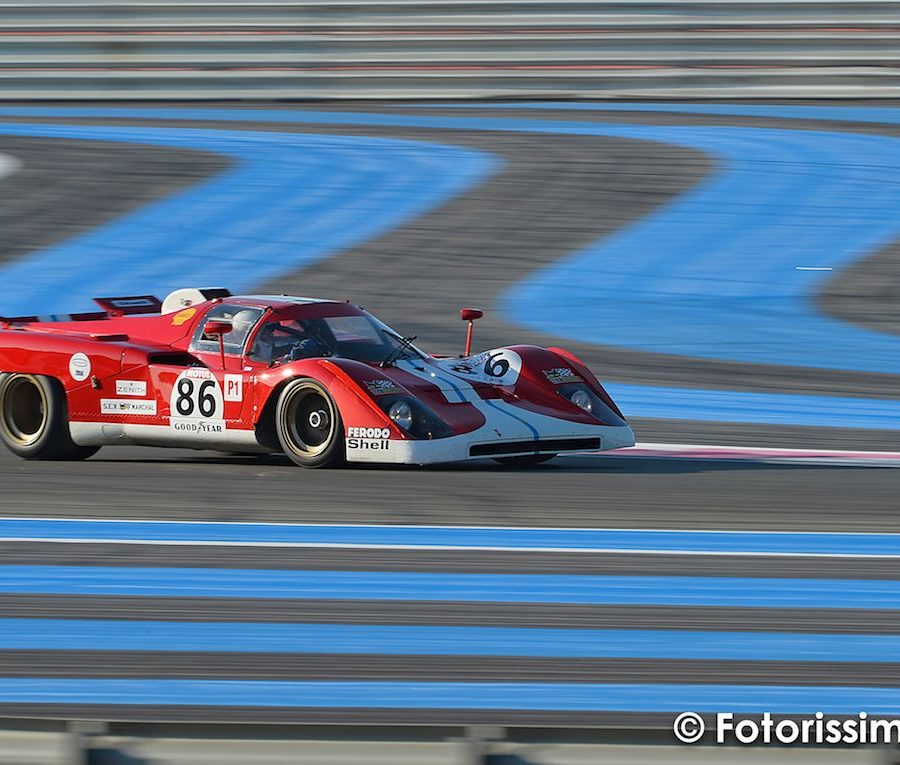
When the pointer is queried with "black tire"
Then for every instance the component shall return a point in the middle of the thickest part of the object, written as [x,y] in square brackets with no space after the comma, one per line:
[524,460]
[34,419]
[309,425]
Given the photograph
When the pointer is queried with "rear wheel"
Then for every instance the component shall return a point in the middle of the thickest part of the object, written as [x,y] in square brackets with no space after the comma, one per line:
[309,425]
[34,419]
[524,460]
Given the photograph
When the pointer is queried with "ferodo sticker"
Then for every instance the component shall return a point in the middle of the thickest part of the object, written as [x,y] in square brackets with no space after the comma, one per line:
[561,375]
[498,367]
[80,367]
[183,317]
[368,439]
[197,406]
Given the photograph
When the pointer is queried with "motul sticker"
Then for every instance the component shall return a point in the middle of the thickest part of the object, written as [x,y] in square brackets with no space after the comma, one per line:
[131,388]
[79,367]
[561,375]
[120,406]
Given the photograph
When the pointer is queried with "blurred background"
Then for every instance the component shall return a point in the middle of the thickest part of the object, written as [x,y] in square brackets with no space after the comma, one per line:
[697,197]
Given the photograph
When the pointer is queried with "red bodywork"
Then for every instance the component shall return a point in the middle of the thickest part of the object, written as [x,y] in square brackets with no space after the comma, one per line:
[135,363]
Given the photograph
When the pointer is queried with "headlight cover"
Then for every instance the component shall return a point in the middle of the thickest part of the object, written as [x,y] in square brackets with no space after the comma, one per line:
[401,413]
[582,399]
[414,417]
[588,401]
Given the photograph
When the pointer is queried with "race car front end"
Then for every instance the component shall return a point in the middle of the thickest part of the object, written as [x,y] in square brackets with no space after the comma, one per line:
[530,402]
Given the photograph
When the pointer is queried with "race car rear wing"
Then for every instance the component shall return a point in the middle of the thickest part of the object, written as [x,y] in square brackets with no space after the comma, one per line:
[7,321]
[130,305]
[112,307]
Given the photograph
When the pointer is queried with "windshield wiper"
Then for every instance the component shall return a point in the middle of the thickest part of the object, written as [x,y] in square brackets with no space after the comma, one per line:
[391,358]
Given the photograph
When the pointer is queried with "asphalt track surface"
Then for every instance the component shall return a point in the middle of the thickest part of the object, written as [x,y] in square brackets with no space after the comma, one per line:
[553,196]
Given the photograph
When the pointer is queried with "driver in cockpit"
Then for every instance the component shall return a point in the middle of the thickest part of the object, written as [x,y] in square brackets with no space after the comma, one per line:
[283,342]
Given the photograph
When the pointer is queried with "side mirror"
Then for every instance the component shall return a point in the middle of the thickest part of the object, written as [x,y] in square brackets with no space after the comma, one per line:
[216,328]
[470,315]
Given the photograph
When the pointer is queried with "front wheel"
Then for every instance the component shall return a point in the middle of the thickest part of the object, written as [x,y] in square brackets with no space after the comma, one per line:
[34,419]
[524,460]
[309,425]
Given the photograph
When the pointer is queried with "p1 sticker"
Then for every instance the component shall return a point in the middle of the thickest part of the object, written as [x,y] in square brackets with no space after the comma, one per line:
[80,367]
[234,388]
[197,406]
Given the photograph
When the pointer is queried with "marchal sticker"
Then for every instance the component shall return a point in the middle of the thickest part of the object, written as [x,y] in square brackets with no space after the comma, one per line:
[127,406]
[80,367]
[197,405]
[131,388]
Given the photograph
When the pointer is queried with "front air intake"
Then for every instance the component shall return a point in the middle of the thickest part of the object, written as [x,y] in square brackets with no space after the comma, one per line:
[551,445]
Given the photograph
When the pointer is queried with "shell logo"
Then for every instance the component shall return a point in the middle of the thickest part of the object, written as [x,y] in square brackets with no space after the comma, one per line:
[183,316]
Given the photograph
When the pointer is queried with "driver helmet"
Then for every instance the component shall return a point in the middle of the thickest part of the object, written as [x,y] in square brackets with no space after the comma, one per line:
[241,324]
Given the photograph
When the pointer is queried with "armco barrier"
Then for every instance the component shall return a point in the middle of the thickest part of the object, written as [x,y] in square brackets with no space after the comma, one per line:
[53,49]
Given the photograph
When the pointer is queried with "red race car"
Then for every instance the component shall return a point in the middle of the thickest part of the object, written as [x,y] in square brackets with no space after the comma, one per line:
[321,381]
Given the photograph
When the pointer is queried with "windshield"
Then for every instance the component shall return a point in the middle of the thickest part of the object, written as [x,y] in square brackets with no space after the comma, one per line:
[361,338]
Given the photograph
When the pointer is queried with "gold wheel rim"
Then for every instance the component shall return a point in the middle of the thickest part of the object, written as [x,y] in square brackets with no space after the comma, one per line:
[23,409]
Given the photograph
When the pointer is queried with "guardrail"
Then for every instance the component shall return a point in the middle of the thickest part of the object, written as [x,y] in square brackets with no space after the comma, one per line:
[84,742]
[62,49]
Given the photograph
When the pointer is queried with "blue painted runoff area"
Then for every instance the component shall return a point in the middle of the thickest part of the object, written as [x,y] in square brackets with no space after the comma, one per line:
[357,639]
[566,697]
[759,408]
[461,537]
[887,115]
[711,274]
[446,587]
[287,201]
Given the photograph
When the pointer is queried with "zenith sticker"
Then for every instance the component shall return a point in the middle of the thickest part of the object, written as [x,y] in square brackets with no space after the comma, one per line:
[234,388]
[368,439]
[131,388]
[182,317]
[80,367]
[561,375]
[383,387]
[126,406]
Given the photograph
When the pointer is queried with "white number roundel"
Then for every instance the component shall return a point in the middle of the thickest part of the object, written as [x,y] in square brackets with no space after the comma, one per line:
[196,396]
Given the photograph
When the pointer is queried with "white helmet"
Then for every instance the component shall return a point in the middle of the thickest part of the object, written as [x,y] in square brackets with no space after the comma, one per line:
[241,324]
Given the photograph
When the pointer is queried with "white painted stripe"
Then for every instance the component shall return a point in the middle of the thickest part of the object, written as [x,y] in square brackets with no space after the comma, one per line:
[769,455]
[9,165]
[458,548]
[719,543]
